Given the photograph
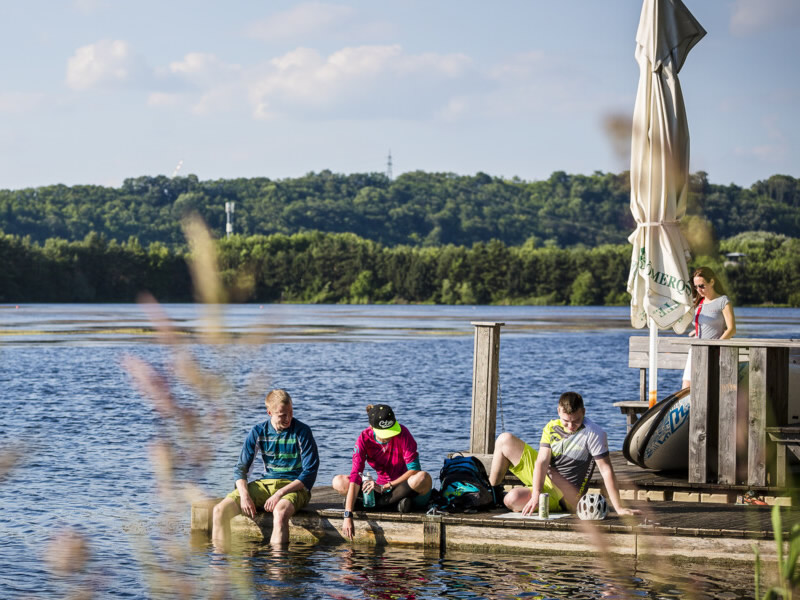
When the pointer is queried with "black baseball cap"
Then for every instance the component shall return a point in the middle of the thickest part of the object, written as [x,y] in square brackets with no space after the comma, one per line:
[381,418]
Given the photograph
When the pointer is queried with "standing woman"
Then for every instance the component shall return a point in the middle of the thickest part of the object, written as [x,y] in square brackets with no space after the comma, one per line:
[713,318]
[391,450]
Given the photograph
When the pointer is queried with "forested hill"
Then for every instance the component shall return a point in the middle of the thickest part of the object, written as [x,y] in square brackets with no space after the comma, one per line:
[416,208]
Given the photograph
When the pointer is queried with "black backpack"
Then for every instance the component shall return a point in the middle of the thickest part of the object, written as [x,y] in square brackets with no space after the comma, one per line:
[464,485]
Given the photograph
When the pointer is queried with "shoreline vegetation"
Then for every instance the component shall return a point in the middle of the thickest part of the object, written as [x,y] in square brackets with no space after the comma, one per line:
[342,268]
[435,238]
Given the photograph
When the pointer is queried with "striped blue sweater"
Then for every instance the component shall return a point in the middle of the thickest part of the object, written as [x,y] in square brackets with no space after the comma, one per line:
[288,454]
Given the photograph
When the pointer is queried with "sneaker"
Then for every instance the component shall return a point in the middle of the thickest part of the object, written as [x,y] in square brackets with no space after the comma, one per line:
[751,498]
[405,505]
[498,493]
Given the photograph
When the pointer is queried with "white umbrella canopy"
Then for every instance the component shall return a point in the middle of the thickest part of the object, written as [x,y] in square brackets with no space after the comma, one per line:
[659,282]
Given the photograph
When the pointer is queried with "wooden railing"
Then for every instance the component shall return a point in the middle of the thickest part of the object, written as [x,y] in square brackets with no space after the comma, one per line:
[717,419]
[715,422]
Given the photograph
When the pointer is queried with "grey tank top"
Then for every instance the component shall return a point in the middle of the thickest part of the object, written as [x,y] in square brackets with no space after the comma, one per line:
[711,320]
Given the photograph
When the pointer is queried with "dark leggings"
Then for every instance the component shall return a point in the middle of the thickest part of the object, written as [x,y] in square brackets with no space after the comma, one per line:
[399,491]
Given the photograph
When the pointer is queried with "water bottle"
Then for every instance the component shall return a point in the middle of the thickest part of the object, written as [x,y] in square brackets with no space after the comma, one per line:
[369,497]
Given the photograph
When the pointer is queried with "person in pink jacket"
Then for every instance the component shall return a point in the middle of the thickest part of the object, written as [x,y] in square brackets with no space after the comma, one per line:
[390,449]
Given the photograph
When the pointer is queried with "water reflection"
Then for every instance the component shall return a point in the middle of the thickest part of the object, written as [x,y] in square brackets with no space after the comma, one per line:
[313,571]
[376,574]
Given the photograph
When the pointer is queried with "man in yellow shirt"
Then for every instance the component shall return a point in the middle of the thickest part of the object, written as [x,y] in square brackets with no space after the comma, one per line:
[563,465]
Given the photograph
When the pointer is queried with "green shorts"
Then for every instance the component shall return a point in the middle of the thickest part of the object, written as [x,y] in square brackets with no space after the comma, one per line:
[524,471]
[261,489]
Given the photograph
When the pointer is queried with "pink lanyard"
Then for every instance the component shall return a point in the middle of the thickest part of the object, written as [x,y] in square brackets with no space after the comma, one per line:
[697,319]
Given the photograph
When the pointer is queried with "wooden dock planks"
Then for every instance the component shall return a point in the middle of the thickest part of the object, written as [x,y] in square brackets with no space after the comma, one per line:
[703,528]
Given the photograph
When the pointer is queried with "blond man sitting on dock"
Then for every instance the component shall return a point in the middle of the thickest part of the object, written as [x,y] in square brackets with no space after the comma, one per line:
[562,466]
[289,454]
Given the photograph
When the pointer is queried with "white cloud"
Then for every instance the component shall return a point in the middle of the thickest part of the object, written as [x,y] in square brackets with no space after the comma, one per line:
[214,101]
[372,78]
[301,21]
[201,83]
[520,67]
[107,63]
[446,65]
[753,16]
[370,81]
[355,82]
[203,69]
[20,102]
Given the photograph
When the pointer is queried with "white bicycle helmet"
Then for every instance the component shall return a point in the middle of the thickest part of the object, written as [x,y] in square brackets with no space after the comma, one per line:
[592,507]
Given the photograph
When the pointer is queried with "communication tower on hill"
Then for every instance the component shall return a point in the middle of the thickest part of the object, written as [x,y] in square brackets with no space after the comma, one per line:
[229,206]
[177,168]
[389,166]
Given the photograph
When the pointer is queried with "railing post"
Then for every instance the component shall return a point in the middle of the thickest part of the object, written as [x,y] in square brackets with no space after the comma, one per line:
[700,421]
[728,413]
[486,360]
[769,369]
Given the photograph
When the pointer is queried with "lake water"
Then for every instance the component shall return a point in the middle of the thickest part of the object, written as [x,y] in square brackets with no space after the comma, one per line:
[88,463]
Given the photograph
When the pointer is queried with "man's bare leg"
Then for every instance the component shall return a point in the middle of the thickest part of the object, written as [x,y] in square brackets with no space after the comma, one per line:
[517,498]
[280,522]
[221,523]
[507,452]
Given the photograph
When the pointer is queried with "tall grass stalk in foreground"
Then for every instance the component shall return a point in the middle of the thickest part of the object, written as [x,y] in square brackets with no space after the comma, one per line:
[188,434]
[788,576]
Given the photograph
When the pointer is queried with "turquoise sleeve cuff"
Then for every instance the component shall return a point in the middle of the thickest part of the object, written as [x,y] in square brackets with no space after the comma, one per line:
[414,466]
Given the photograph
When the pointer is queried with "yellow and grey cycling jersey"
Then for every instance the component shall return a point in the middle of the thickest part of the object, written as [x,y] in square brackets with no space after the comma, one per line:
[572,453]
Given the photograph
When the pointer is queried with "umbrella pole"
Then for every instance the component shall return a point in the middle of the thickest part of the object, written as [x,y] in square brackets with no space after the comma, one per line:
[653,363]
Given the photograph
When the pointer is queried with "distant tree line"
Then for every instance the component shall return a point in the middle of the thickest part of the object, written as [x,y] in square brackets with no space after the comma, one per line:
[92,270]
[317,267]
[415,209]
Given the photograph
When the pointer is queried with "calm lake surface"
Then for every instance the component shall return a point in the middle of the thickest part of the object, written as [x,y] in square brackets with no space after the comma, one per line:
[103,470]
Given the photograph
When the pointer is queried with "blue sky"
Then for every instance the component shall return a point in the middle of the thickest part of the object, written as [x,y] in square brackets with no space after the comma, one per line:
[95,91]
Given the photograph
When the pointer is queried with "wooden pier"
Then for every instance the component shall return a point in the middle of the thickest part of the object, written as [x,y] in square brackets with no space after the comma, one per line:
[679,520]
[699,516]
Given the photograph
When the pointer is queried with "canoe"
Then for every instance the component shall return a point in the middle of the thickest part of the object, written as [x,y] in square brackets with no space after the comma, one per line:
[660,438]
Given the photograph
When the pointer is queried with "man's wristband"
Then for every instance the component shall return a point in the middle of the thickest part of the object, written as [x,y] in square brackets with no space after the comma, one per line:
[348,514]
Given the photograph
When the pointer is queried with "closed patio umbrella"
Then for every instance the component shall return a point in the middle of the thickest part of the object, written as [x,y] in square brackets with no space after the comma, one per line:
[659,282]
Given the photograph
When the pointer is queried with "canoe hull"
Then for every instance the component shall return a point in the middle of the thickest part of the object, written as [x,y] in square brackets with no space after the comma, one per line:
[660,438]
